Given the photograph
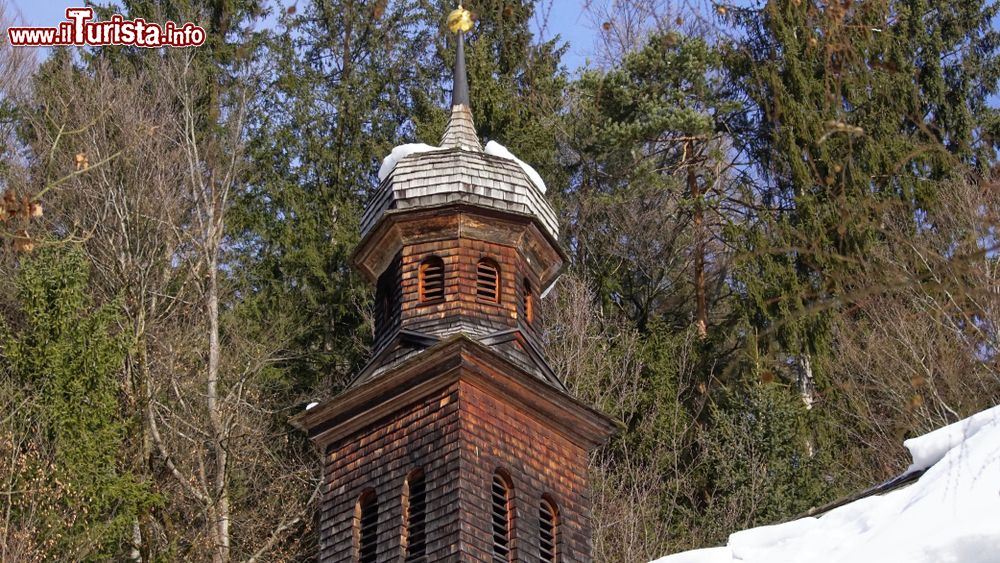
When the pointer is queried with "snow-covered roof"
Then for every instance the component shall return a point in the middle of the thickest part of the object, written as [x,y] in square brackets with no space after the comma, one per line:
[419,175]
[460,171]
[496,149]
[493,148]
[950,514]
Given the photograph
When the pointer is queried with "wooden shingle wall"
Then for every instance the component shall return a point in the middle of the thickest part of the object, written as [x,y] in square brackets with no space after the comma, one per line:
[525,272]
[422,435]
[497,435]
[388,297]
[459,437]
[461,309]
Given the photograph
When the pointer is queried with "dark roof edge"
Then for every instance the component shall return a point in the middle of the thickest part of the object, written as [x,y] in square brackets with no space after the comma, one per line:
[897,482]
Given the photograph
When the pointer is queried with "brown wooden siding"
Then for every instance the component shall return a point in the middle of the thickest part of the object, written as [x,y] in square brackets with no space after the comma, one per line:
[420,436]
[538,461]
[460,304]
[527,273]
[388,297]
[459,437]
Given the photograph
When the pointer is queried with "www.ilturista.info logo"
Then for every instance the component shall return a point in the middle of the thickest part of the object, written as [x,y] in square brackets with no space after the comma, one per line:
[79,29]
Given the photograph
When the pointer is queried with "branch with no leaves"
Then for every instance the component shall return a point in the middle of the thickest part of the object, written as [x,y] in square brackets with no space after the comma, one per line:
[286,525]
[154,433]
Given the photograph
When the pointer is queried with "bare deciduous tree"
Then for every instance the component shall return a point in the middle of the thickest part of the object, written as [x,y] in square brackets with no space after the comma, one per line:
[601,358]
[152,221]
[919,348]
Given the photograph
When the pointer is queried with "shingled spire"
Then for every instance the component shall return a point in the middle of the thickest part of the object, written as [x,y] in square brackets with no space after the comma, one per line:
[461,131]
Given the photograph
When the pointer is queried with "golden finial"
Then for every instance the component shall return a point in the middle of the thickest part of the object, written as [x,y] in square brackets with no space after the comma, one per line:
[459,19]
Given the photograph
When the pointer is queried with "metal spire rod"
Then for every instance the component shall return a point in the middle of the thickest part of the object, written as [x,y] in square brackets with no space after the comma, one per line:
[460,89]
[460,21]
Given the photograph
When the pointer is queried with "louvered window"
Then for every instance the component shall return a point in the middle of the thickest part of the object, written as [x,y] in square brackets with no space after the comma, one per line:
[432,280]
[366,528]
[500,515]
[547,522]
[414,516]
[529,302]
[488,281]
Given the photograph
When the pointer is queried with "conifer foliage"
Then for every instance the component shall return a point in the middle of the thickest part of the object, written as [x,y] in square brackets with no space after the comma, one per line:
[63,357]
[781,221]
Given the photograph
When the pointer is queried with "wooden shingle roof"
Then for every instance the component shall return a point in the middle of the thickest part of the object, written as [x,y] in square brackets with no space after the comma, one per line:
[460,172]
[457,175]
[461,131]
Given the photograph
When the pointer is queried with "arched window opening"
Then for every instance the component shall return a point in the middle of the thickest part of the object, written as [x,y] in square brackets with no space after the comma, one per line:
[366,528]
[501,519]
[387,290]
[431,280]
[529,302]
[383,300]
[414,518]
[548,522]
[488,281]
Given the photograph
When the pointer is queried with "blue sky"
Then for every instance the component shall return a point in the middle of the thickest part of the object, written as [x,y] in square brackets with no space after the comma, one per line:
[42,13]
[567,19]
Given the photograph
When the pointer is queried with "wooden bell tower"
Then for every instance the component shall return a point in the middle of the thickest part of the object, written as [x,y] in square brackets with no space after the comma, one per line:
[456,442]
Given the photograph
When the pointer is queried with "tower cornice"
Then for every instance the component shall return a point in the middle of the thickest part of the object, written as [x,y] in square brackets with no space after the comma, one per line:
[457,358]
[444,221]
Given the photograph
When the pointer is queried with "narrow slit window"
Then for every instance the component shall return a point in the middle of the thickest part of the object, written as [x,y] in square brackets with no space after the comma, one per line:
[547,531]
[432,280]
[366,528]
[383,301]
[415,517]
[387,290]
[501,519]
[529,302]
[488,281]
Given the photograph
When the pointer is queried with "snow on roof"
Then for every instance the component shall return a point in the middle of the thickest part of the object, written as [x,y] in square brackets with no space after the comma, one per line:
[930,448]
[496,149]
[950,514]
[418,176]
[492,148]
[399,153]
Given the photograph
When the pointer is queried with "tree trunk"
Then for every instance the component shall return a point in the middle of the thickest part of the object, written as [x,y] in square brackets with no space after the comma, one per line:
[701,314]
[220,510]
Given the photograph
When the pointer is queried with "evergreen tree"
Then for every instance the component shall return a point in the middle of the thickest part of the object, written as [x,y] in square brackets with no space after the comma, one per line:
[339,77]
[67,353]
[649,178]
[646,211]
[858,111]
[856,107]
[757,468]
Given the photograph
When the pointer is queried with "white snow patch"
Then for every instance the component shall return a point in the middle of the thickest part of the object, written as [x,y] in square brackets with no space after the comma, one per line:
[496,149]
[949,515]
[928,449]
[709,555]
[492,148]
[399,153]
